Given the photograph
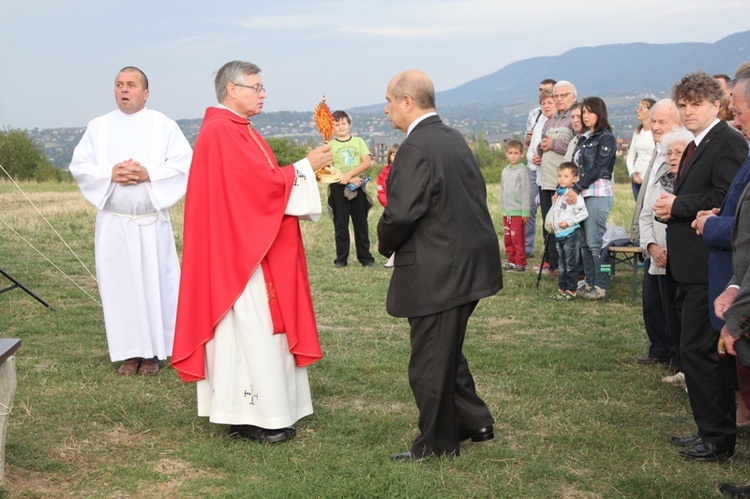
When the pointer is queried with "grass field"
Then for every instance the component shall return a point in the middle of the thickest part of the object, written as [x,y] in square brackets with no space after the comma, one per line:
[576,417]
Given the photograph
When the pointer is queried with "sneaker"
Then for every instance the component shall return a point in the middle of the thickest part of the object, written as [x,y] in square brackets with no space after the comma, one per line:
[571,295]
[585,291]
[599,293]
[509,266]
[558,296]
[581,284]
[675,379]
[562,296]
[592,292]
[520,268]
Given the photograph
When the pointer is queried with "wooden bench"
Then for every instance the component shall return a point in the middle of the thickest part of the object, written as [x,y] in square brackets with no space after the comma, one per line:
[629,256]
[8,347]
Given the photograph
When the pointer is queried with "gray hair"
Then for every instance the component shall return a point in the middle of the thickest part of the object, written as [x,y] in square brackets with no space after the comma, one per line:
[681,134]
[232,72]
[565,83]
[668,103]
[744,78]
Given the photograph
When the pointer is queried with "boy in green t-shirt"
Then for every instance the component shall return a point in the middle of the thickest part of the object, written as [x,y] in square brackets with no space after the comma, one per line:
[352,157]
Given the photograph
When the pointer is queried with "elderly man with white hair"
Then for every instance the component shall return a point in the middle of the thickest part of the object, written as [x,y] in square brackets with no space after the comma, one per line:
[557,134]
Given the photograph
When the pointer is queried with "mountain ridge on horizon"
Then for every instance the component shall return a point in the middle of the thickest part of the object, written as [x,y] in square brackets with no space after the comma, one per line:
[497,104]
[625,69]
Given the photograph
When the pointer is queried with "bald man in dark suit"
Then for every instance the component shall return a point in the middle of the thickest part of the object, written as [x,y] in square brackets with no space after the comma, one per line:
[447,258]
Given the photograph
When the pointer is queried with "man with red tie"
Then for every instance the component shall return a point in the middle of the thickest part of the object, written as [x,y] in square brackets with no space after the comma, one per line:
[708,167]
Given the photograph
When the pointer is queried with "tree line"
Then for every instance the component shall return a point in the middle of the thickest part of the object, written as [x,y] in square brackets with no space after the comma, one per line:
[24,159]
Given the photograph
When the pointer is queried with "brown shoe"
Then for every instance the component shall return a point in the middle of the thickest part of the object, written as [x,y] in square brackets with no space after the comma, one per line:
[149,367]
[130,367]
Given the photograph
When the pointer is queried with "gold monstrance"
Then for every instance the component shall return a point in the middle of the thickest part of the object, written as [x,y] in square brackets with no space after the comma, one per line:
[324,121]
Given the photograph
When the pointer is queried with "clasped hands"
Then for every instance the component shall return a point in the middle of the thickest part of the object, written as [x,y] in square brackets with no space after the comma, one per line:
[663,206]
[129,172]
[701,217]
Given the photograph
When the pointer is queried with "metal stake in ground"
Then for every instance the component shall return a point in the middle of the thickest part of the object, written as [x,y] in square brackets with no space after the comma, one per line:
[17,284]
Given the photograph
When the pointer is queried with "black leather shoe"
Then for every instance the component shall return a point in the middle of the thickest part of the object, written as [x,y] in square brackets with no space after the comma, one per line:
[691,441]
[262,435]
[479,435]
[706,451]
[407,456]
[339,265]
[728,490]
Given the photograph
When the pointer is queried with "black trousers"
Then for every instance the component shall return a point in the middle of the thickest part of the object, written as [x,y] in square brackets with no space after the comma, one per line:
[545,201]
[442,384]
[711,380]
[356,209]
[654,318]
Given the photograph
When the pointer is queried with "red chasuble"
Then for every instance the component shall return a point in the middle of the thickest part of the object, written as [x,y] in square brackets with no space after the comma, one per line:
[234,222]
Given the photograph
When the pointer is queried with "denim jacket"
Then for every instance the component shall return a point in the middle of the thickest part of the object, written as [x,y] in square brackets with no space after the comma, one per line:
[596,158]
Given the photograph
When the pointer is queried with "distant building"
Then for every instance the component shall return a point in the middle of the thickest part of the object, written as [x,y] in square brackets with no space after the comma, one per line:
[379,153]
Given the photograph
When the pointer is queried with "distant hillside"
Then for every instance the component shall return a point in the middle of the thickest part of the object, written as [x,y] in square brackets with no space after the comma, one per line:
[618,73]
[497,104]
[608,70]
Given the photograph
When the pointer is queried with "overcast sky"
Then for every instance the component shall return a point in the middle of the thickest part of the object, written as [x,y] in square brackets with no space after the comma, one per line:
[60,57]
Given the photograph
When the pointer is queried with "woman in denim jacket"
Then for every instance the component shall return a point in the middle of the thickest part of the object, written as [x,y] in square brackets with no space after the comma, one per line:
[595,157]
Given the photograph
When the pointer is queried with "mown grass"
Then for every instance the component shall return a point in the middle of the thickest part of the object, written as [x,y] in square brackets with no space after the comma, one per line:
[576,417]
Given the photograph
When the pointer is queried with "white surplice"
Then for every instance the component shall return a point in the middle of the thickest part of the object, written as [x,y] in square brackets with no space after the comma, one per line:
[136,259]
[251,377]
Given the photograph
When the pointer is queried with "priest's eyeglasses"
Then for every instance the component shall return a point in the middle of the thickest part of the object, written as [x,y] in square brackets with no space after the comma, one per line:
[257,87]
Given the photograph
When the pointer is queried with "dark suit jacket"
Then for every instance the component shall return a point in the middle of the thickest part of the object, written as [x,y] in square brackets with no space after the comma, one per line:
[437,222]
[701,184]
[717,235]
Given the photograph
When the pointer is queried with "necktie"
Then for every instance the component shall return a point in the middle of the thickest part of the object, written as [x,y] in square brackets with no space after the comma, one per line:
[688,153]
[685,158]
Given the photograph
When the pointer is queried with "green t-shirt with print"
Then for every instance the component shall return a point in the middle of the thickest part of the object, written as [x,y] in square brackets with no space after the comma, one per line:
[348,154]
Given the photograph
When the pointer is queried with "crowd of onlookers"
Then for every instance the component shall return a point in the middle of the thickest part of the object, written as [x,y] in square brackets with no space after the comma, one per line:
[568,173]
[688,167]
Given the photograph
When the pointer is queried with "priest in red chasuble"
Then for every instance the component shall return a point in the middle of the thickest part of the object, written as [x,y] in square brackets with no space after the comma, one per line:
[245,320]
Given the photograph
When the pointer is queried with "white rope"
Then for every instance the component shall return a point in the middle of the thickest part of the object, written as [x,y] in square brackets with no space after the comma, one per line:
[56,233]
[51,262]
[48,222]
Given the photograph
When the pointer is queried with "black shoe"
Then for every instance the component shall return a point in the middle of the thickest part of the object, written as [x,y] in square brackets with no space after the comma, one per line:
[368,264]
[686,441]
[262,435]
[339,265]
[706,451]
[407,456]
[479,435]
[728,490]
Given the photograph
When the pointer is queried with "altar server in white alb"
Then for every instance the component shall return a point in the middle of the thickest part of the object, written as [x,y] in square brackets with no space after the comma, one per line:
[132,164]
